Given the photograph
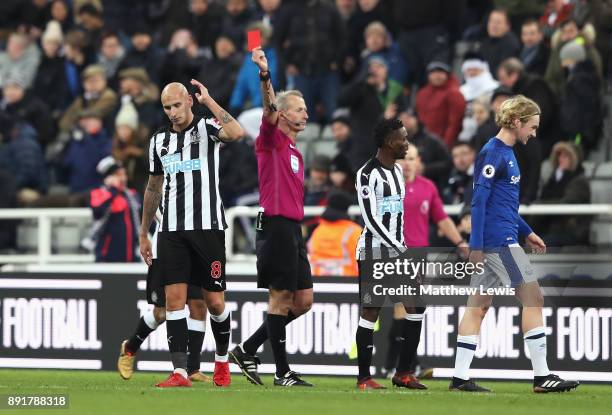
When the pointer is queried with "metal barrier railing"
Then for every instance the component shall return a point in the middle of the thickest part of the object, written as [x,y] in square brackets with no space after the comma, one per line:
[45,217]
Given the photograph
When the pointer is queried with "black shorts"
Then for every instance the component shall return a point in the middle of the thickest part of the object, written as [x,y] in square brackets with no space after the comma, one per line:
[282,263]
[155,287]
[193,257]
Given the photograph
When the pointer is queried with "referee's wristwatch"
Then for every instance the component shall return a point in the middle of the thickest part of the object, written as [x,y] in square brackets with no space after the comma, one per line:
[264,76]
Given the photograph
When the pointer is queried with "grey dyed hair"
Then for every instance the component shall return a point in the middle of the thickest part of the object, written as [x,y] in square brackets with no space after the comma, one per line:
[281,98]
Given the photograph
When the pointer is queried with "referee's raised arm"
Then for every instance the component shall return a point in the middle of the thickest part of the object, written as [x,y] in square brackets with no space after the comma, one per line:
[267,90]
[231,130]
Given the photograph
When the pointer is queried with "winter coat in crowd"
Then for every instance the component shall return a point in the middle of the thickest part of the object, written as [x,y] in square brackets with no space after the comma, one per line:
[581,110]
[21,155]
[441,109]
[248,86]
[565,186]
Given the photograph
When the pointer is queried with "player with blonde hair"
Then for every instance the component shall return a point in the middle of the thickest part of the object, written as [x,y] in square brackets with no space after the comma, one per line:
[496,231]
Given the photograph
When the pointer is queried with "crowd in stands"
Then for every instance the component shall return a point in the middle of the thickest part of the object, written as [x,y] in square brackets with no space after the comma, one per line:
[80,81]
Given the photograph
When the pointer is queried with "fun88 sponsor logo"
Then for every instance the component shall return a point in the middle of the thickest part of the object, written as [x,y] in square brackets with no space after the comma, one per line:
[173,164]
[391,204]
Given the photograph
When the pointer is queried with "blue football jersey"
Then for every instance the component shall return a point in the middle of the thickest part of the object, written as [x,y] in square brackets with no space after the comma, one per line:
[495,203]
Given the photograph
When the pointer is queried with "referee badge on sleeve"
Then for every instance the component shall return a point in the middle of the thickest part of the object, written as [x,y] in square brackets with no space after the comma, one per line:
[295,163]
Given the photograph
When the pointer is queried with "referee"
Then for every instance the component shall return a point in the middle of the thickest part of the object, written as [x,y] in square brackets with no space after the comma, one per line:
[184,178]
[282,264]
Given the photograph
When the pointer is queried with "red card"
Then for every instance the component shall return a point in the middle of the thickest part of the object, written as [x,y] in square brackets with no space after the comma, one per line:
[253,39]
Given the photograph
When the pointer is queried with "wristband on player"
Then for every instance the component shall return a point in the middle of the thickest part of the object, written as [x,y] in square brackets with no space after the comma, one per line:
[264,76]
[459,243]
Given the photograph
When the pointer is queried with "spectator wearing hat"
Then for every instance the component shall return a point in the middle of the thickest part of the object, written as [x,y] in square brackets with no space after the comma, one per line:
[478,86]
[20,104]
[128,148]
[222,69]
[50,84]
[341,174]
[378,41]
[89,143]
[332,246]
[439,104]
[435,161]
[500,43]
[247,89]
[21,57]
[21,155]
[96,96]
[571,31]
[566,185]
[369,100]
[478,80]
[144,96]
[317,184]
[116,212]
[581,110]
[143,53]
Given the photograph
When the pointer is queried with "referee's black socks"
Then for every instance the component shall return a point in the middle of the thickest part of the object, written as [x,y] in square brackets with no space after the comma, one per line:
[176,325]
[220,326]
[412,336]
[196,339]
[276,333]
[260,336]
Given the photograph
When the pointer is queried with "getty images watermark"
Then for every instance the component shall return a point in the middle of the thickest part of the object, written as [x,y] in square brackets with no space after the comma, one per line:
[438,276]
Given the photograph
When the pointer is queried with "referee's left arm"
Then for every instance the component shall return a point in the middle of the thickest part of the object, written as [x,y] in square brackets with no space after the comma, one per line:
[231,130]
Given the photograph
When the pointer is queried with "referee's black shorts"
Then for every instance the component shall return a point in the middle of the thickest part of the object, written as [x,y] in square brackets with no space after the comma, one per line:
[282,263]
[193,257]
[155,287]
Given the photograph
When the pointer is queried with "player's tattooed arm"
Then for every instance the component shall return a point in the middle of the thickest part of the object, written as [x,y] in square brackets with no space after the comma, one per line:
[226,118]
[231,130]
[152,199]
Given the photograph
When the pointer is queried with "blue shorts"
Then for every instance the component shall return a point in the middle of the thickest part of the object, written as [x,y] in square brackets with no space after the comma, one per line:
[505,266]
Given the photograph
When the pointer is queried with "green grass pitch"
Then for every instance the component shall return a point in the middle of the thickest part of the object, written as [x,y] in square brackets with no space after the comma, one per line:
[107,393]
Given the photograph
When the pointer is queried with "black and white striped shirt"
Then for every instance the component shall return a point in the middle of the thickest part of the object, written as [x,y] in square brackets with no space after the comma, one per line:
[381,193]
[189,161]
